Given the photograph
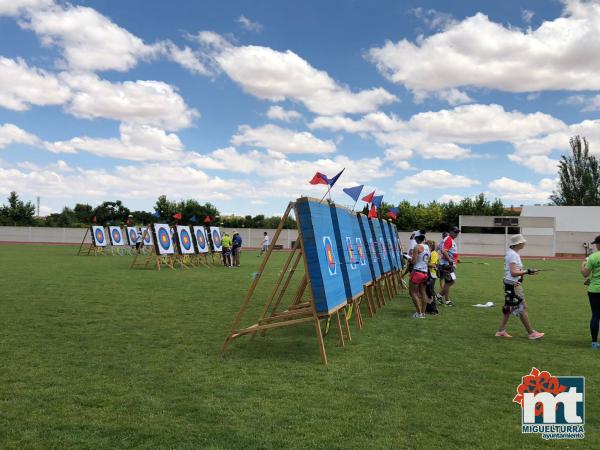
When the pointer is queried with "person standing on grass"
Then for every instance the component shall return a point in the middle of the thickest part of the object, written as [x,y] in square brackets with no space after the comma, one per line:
[265,244]
[448,261]
[236,248]
[439,249]
[419,276]
[226,249]
[590,268]
[514,296]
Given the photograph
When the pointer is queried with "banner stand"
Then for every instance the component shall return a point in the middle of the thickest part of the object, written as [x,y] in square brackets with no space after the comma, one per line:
[302,307]
[151,258]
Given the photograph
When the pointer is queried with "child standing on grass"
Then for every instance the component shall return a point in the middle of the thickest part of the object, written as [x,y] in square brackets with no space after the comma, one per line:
[514,296]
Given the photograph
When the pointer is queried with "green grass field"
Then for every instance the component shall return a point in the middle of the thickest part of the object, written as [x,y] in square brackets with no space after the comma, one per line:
[94,355]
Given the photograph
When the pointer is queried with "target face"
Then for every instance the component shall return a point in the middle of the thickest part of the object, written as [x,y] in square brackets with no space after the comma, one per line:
[200,239]
[185,240]
[329,258]
[99,237]
[383,249]
[164,244]
[216,238]
[361,251]
[351,253]
[116,235]
[373,251]
[148,237]
[132,233]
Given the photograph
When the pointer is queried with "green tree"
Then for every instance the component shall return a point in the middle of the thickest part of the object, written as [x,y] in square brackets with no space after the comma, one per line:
[17,212]
[83,213]
[579,177]
[111,213]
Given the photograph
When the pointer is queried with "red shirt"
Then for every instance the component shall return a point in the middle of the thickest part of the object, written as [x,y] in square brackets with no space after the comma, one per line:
[451,248]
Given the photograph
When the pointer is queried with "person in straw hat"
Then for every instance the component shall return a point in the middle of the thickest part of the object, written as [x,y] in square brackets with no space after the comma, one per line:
[514,296]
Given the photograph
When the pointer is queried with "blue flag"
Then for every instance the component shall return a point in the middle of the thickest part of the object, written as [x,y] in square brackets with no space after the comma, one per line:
[193,219]
[354,192]
[156,214]
[377,200]
[332,181]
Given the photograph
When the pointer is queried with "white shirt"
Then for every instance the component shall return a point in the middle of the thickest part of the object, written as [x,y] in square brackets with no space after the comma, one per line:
[411,246]
[422,259]
[266,240]
[512,257]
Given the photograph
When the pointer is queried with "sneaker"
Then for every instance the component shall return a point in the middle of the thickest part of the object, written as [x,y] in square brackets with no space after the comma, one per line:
[596,345]
[447,303]
[535,335]
[422,316]
[503,334]
[416,316]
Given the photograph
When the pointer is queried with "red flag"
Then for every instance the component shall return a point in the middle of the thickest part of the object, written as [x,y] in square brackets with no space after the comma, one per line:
[207,219]
[373,212]
[369,198]
[94,220]
[319,178]
[177,216]
[392,215]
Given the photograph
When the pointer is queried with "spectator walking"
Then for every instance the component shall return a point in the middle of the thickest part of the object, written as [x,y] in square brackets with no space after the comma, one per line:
[236,248]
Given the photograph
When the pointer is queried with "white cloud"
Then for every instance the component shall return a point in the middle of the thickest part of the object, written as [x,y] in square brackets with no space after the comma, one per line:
[435,20]
[537,163]
[22,86]
[454,97]
[563,53]
[16,7]
[144,102]
[249,25]
[136,143]
[588,103]
[510,189]
[447,198]
[276,76]
[432,179]
[527,15]
[186,58]
[12,134]
[276,112]
[281,140]
[89,41]
[399,157]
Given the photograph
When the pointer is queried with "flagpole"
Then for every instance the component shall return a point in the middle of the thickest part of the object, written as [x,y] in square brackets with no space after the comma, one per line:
[323,198]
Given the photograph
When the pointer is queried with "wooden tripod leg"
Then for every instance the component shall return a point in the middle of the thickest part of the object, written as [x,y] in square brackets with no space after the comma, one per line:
[388,287]
[347,321]
[370,300]
[320,342]
[83,242]
[339,328]
[379,294]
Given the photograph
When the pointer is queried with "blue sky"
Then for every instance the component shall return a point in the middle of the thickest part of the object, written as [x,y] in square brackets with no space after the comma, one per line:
[239,103]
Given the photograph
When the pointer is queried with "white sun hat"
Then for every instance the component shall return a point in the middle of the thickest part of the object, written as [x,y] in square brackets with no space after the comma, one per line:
[517,239]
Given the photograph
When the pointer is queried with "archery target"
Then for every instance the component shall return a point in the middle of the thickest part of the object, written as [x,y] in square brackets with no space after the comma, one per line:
[184,236]
[362,257]
[322,255]
[116,236]
[99,236]
[132,235]
[201,240]
[164,244]
[215,235]
[329,255]
[147,236]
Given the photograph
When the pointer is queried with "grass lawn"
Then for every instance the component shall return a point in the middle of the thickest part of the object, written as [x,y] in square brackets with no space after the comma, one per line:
[94,355]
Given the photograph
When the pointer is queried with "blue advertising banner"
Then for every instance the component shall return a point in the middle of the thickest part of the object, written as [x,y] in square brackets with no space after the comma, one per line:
[321,254]
[394,235]
[379,244]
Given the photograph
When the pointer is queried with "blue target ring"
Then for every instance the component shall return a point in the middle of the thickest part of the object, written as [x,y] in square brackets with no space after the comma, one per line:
[148,238]
[164,239]
[132,236]
[216,238]
[186,242]
[99,236]
[116,235]
[201,239]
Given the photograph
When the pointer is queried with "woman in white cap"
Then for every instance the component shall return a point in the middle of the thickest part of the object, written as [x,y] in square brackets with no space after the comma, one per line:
[590,269]
[419,275]
[514,296]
